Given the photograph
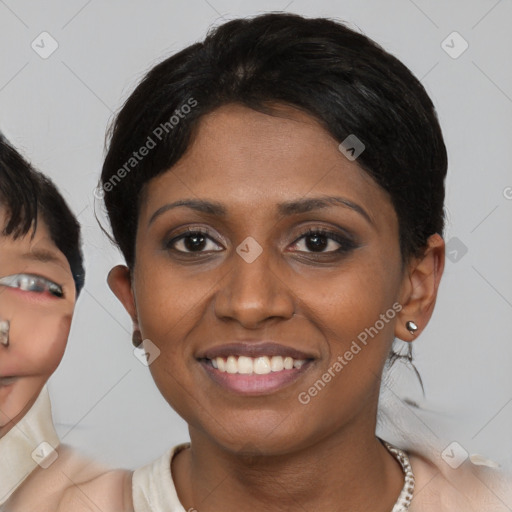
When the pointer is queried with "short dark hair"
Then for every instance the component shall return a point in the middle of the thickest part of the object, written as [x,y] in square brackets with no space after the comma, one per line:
[26,193]
[320,66]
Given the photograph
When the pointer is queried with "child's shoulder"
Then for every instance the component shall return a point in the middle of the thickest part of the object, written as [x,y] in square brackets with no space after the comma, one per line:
[74,483]
[110,491]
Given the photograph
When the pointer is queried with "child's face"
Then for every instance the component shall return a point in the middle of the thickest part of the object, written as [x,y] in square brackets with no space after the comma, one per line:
[33,273]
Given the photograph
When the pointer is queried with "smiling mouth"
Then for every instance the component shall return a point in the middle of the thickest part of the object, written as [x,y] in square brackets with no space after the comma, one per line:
[255,376]
[261,365]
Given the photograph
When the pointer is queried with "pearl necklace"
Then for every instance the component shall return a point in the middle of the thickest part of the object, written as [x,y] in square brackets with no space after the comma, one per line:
[405,498]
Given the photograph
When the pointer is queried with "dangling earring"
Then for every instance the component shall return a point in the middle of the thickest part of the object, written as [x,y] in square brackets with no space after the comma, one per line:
[4,332]
[411,326]
[136,338]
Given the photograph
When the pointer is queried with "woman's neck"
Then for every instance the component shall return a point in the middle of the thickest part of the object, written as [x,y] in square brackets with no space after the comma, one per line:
[343,472]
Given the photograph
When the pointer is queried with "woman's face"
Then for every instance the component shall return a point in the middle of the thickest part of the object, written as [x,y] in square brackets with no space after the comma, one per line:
[242,277]
[37,298]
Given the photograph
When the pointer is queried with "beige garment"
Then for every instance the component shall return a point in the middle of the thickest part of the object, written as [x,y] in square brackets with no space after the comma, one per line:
[468,488]
[32,441]
[437,489]
[153,487]
[51,477]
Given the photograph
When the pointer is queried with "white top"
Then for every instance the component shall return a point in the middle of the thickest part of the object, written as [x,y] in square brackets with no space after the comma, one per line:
[439,488]
[21,451]
[153,487]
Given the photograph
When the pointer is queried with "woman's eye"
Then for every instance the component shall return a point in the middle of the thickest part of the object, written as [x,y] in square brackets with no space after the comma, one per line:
[322,241]
[32,283]
[314,241]
[192,241]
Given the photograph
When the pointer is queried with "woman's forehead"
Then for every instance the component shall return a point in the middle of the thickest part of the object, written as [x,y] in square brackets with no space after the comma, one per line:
[246,158]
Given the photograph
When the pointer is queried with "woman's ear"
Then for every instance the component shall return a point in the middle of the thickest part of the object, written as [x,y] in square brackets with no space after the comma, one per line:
[419,288]
[120,282]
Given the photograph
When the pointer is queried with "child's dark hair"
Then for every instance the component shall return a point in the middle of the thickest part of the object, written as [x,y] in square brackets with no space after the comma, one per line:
[339,76]
[26,193]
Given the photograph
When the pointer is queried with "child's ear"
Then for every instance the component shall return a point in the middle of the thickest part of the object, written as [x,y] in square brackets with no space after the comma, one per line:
[120,282]
[419,289]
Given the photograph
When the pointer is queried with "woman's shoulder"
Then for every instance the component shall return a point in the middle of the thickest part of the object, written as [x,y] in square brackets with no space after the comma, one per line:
[467,487]
[153,485]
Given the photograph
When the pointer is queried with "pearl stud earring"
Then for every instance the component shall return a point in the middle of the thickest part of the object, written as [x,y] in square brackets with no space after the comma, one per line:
[411,326]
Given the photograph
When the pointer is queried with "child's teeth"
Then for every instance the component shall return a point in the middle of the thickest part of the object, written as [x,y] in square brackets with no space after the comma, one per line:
[256,365]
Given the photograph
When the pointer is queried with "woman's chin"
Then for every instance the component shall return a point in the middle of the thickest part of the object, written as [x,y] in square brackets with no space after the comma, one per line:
[252,440]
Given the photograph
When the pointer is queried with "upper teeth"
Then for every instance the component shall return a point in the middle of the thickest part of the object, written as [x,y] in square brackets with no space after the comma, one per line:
[257,365]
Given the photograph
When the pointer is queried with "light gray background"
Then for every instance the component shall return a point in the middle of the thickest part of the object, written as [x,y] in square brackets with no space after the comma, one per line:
[56,111]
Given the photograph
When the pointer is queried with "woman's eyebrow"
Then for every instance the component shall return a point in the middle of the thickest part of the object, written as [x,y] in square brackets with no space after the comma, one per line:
[200,205]
[284,209]
[308,204]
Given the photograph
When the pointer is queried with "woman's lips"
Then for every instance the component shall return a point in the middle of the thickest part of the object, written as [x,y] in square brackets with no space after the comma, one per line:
[253,348]
[251,383]
[254,367]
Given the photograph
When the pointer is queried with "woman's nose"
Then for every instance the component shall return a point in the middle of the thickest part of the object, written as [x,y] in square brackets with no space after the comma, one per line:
[254,290]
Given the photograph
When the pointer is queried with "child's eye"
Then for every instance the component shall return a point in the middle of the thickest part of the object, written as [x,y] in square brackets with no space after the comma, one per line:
[32,283]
